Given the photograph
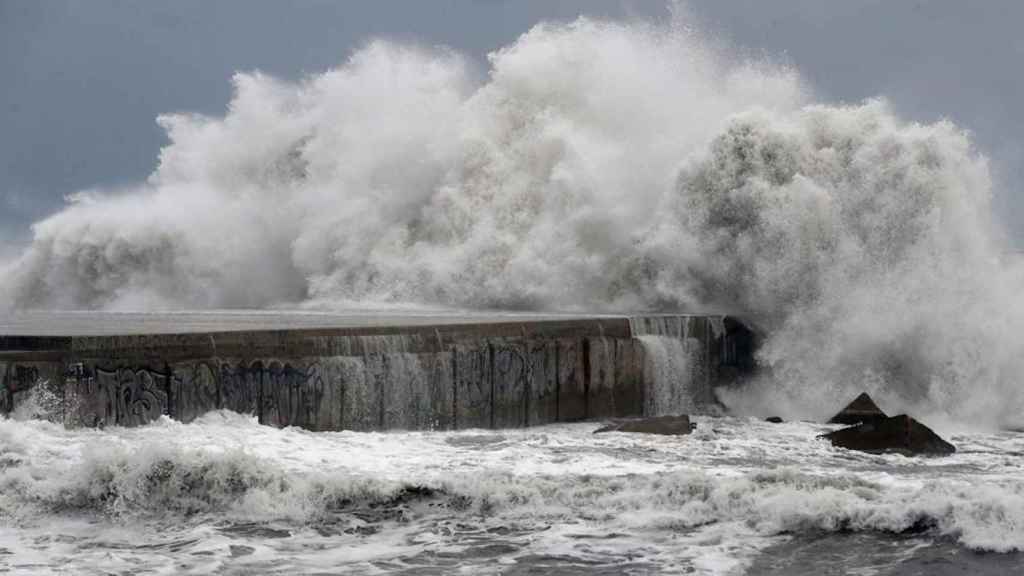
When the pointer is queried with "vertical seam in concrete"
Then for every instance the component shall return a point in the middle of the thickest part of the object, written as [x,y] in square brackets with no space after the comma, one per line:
[558,382]
[639,364]
[258,381]
[218,375]
[64,394]
[343,393]
[169,386]
[527,376]
[455,387]
[382,384]
[586,378]
[3,389]
[490,357]
[708,364]
[172,397]
[616,372]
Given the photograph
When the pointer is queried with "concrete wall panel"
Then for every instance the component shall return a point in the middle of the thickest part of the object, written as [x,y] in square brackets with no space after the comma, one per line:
[628,389]
[572,385]
[543,386]
[472,385]
[441,390]
[6,398]
[293,393]
[361,401]
[510,373]
[407,394]
[239,389]
[88,400]
[194,390]
[601,388]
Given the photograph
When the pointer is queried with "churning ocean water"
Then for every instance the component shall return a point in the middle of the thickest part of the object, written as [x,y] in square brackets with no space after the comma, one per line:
[224,495]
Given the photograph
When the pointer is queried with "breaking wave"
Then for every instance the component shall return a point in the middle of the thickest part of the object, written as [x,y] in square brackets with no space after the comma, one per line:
[142,473]
[595,166]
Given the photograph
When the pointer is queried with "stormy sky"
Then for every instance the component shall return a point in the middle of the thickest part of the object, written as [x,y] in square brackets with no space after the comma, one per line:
[82,82]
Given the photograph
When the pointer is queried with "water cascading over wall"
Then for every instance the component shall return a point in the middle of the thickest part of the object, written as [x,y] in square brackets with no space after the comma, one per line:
[675,363]
[485,375]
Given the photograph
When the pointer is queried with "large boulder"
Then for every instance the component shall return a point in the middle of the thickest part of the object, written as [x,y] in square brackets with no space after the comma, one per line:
[666,425]
[901,434]
[862,409]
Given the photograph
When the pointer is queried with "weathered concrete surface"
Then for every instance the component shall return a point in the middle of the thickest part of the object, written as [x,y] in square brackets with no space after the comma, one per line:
[457,372]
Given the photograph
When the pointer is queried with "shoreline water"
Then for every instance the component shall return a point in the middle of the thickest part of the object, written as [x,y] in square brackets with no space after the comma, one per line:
[225,495]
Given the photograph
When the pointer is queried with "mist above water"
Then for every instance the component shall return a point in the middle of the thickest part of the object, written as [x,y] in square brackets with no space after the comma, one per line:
[594,166]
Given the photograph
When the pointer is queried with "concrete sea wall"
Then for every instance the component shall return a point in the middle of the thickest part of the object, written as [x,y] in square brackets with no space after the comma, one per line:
[446,376]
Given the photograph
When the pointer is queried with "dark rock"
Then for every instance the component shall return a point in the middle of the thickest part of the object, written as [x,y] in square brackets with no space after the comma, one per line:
[666,425]
[773,420]
[862,409]
[901,434]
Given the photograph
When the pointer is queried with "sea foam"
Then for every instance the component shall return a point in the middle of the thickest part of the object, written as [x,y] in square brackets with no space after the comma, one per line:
[758,479]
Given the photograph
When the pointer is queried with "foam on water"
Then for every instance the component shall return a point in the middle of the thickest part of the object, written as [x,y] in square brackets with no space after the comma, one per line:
[225,494]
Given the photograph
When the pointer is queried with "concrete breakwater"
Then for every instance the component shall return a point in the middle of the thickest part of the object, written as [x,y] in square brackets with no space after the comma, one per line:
[368,373]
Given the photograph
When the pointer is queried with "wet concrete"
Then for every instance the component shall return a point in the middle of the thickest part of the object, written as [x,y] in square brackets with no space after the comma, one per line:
[357,371]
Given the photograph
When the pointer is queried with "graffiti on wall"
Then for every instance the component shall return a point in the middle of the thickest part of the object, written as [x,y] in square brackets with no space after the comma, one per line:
[19,382]
[493,382]
[95,396]
[511,380]
[280,393]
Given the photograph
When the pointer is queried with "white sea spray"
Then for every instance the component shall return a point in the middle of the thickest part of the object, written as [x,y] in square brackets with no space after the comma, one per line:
[593,166]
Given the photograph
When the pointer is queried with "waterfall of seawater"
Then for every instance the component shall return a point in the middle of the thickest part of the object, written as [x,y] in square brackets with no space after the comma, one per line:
[668,373]
[396,380]
[674,375]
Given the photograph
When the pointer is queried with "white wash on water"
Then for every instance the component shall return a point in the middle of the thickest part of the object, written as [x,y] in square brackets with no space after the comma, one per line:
[224,493]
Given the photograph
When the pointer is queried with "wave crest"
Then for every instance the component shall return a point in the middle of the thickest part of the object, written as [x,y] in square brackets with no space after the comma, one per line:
[239,487]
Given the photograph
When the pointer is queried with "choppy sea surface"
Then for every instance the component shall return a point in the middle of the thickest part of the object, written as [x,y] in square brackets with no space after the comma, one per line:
[224,495]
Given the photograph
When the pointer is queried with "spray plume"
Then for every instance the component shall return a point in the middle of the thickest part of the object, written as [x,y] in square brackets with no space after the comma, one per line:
[596,166]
